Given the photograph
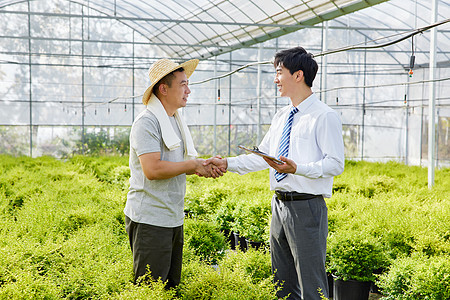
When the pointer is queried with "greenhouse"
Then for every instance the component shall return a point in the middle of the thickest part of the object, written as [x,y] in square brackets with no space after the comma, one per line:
[72,78]
[74,72]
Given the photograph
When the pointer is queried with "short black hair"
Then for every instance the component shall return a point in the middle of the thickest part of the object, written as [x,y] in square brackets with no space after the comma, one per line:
[166,79]
[295,59]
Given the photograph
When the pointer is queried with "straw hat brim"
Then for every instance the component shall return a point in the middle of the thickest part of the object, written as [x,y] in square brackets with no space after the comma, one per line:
[189,68]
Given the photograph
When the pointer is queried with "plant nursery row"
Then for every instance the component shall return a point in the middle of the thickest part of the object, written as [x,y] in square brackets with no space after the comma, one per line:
[62,232]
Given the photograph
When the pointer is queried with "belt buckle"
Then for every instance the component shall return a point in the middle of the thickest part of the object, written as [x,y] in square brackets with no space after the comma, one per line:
[282,196]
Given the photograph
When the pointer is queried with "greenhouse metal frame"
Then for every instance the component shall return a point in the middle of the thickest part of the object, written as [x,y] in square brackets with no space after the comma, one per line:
[72,73]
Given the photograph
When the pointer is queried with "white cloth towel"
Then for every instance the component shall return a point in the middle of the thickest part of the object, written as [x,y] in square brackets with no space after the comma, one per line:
[170,138]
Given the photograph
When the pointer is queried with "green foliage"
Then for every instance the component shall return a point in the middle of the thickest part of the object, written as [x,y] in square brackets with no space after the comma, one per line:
[64,240]
[417,277]
[102,141]
[203,199]
[153,290]
[204,282]
[14,139]
[238,203]
[224,214]
[62,231]
[253,263]
[354,257]
[205,239]
[375,185]
[109,170]
[62,234]
[392,204]
[251,216]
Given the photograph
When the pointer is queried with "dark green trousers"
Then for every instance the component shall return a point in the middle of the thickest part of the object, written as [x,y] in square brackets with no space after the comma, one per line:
[158,249]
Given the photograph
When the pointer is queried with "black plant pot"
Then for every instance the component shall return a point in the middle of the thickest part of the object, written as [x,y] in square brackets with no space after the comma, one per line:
[330,285]
[374,287]
[252,244]
[351,290]
[236,239]
[232,241]
[240,242]
[230,238]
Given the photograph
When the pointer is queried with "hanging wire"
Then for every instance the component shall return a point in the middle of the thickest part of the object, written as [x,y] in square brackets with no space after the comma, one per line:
[348,48]
[328,52]
[234,71]
[245,101]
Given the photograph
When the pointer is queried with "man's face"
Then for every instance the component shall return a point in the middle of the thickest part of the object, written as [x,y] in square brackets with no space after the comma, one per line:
[179,91]
[285,80]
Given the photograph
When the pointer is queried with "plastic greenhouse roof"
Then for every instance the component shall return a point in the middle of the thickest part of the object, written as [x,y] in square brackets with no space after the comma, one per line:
[205,28]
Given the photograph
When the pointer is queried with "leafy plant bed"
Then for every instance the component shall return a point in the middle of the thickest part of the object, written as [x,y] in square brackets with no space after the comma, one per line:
[62,236]
[62,230]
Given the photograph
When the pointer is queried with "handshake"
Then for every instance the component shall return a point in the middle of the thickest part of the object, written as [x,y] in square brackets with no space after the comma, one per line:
[212,167]
[216,166]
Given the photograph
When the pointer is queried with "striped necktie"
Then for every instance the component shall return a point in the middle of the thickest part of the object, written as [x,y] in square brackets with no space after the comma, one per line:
[283,150]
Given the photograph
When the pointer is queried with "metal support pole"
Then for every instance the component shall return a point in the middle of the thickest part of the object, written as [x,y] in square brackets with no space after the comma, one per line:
[229,105]
[437,138]
[364,103]
[407,121]
[70,29]
[258,95]
[30,83]
[82,83]
[275,86]
[216,94]
[432,97]
[421,118]
[133,90]
[323,79]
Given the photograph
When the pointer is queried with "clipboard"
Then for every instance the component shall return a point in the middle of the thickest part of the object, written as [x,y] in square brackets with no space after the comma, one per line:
[256,151]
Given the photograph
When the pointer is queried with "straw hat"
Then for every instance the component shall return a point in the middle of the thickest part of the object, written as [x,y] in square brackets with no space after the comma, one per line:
[161,68]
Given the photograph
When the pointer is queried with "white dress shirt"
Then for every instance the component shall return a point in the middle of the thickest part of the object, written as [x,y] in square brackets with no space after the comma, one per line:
[316,147]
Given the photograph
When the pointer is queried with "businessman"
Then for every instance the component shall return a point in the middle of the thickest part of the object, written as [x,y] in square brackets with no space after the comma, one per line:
[307,137]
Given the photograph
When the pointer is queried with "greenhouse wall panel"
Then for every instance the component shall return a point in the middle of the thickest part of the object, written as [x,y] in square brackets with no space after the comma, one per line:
[84,67]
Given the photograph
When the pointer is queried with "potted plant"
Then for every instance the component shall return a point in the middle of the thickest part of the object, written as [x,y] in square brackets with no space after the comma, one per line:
[238,226]
[252,219]
[224,218]
[254,236]
[353,259]
[205,239]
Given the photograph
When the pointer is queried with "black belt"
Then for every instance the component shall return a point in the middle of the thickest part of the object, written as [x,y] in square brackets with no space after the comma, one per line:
[294,196]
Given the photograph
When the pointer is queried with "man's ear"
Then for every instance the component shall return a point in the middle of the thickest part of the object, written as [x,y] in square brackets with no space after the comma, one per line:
[162,88]
[299,76]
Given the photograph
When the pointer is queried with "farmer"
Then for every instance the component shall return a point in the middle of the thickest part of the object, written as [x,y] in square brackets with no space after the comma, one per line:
[307,137]
[161,154]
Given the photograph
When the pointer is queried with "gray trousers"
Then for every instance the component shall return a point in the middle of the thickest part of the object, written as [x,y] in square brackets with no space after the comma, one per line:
[158,248]
[298,240]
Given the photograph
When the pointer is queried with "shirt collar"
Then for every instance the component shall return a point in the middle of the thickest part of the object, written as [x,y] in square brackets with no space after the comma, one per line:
[305,104]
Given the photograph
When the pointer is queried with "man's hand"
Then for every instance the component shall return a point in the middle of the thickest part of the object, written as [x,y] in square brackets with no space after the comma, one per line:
[207,170]
[289,166]
[217,162]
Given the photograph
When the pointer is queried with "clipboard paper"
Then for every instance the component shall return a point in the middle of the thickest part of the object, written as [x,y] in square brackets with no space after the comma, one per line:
[256,151]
